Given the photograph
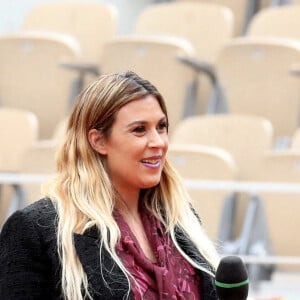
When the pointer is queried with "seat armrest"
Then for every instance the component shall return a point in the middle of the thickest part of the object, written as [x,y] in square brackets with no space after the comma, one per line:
[199,66]
[217,102]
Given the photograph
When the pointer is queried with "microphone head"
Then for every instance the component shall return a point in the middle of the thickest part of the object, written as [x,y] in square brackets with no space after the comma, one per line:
[231,280]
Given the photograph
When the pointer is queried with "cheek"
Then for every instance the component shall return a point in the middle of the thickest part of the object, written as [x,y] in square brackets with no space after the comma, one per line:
[124,155]
[166,142]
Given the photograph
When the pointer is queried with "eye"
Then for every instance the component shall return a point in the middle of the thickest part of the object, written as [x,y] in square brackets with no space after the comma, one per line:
[163,126]
[139,130]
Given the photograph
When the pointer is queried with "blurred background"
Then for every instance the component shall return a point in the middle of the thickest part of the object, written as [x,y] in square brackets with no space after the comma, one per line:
[229,71]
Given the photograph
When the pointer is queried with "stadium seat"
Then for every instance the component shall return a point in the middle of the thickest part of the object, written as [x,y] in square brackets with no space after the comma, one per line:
[215,208]
[32,79]
[256,78]
[206,26]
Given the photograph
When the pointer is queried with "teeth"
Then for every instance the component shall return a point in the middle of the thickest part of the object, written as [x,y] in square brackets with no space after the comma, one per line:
[149,161]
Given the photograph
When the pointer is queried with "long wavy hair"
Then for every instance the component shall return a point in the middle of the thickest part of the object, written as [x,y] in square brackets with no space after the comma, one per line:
[83,193]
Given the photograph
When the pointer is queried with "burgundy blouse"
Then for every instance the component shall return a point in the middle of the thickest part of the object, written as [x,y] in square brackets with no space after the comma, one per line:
[170,278]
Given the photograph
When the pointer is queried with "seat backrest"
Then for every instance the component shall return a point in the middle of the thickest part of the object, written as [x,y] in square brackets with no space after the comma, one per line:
[18,131]
[155,59]
[207,26]
[276,21]
[91,23]
[255,74]
[281,207]
[200,162]
[245,137]
[32,79]
[239,8]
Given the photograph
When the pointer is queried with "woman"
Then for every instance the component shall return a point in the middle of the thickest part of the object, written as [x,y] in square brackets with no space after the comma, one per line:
[116,221]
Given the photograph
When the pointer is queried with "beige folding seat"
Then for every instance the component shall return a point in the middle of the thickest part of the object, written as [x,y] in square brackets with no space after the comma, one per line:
[18,131]
[256,78]
[206,26]
[276,21]
[198,162]
[272,220]
[36,166]
[245,137]
[91,23]
[155,59]
[281,206]
[32,79]
[40,161]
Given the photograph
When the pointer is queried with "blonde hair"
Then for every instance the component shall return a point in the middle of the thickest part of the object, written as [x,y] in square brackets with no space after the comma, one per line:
[84,196]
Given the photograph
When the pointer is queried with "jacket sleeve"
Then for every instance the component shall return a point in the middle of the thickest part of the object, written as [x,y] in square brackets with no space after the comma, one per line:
[23,267]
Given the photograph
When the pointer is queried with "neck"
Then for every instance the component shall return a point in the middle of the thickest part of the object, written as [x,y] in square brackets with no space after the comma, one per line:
[127,204]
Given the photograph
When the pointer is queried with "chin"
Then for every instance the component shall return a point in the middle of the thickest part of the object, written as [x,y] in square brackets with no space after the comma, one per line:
[150,184]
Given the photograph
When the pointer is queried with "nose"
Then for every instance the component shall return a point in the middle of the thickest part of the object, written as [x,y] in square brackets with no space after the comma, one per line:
[156,139]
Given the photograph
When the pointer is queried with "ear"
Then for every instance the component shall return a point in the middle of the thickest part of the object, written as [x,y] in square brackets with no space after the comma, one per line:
[97,141]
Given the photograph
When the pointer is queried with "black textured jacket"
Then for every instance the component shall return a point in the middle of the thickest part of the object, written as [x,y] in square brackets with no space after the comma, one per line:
[30,268]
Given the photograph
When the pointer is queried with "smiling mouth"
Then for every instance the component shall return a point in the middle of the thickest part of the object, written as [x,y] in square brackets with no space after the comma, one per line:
[151,163]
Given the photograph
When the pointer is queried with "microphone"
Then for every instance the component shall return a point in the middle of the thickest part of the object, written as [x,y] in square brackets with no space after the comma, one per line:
[231,279]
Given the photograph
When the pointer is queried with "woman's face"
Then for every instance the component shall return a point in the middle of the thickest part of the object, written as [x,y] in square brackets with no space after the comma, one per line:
[136,149]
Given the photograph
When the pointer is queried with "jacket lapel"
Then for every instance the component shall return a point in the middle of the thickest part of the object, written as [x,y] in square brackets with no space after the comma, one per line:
[106,280]
[208,291]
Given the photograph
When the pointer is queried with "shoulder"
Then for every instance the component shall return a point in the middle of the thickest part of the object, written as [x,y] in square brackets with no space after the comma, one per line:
[37,217]
[28,256]
[29,232]
[36,209]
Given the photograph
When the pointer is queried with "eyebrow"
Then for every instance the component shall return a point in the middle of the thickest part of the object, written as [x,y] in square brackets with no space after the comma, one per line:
[141,122]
